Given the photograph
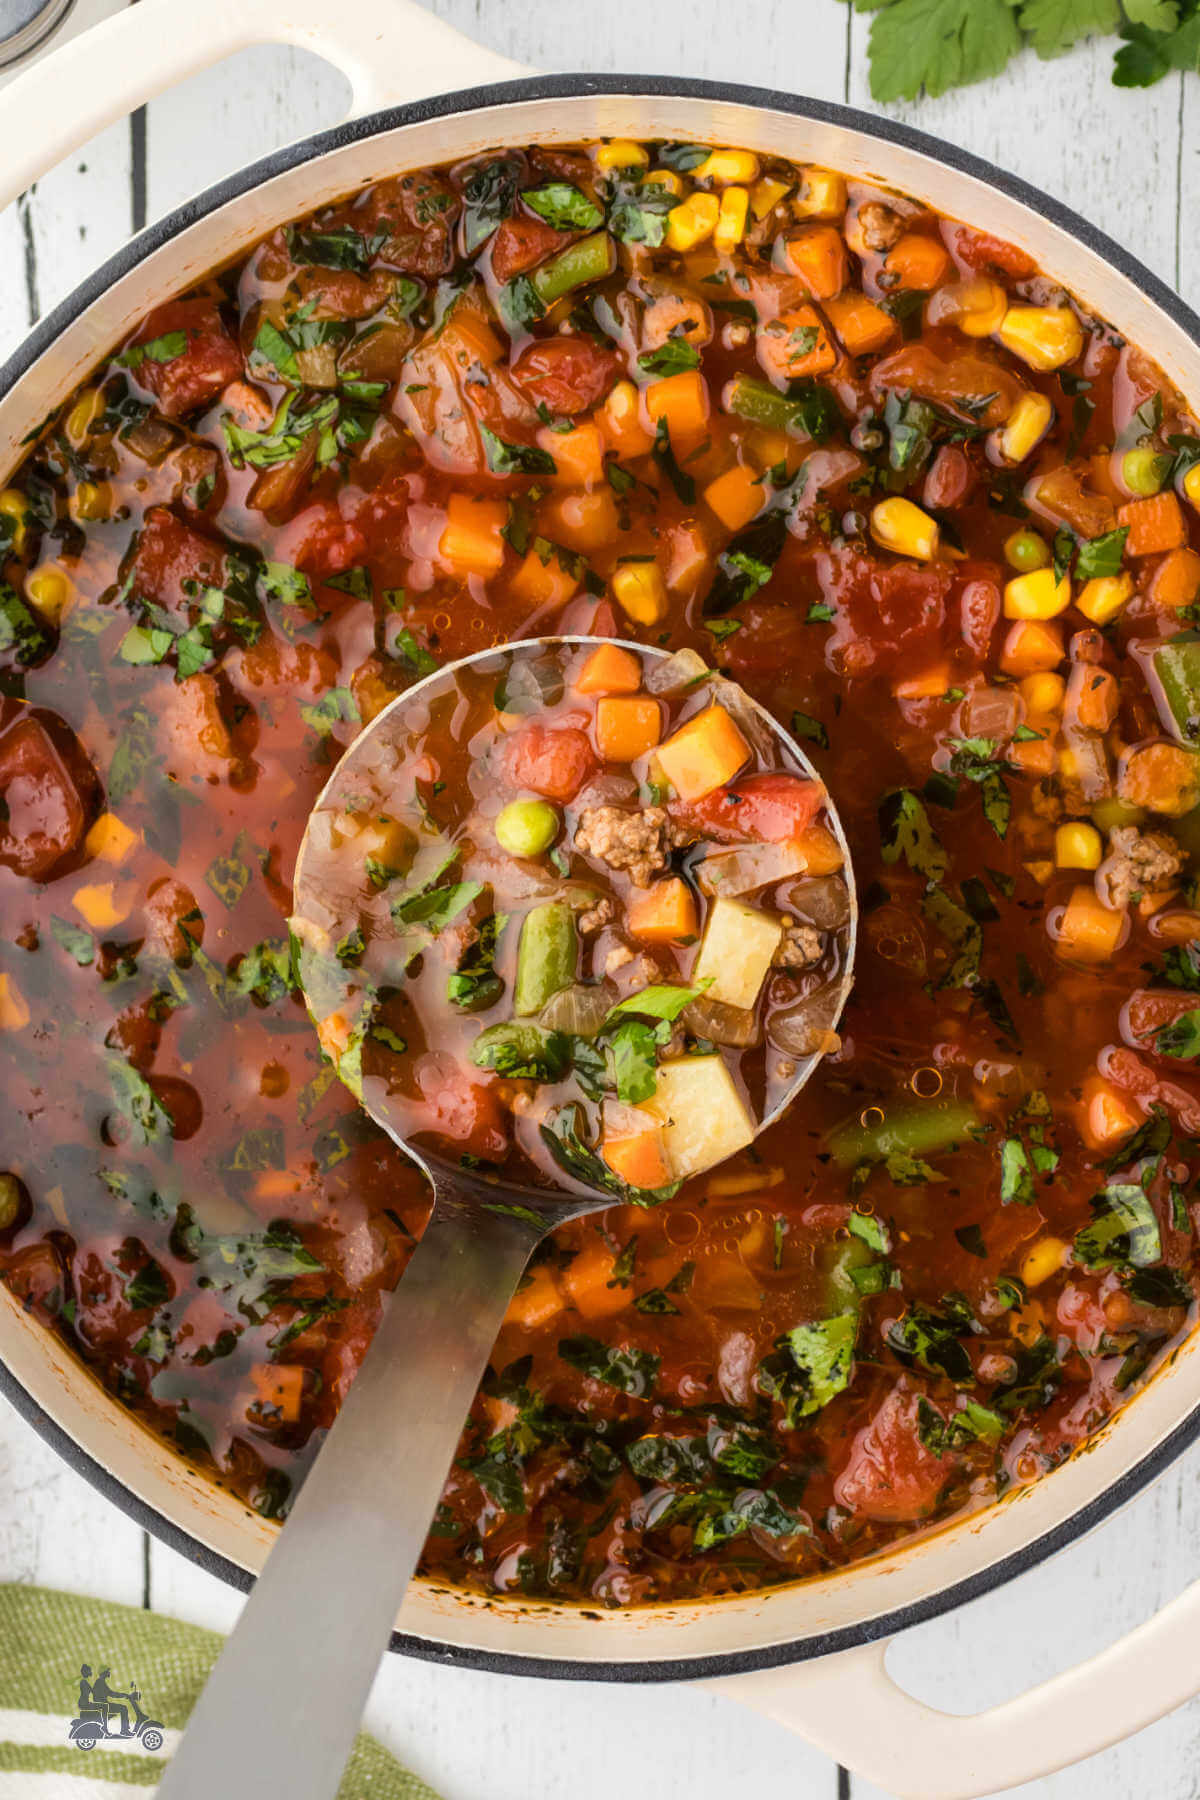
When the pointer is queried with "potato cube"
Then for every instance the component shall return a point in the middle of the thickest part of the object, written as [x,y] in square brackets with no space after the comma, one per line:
[739,943]
[704,1116]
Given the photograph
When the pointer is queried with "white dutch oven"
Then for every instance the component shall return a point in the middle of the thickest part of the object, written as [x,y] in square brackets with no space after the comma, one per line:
[810,1656]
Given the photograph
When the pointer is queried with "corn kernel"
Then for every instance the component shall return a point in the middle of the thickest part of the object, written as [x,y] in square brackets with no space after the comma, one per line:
[14,1009]
[1037,595]
[83,415]
[15,506]
[110,839]
[1078,845]
[621,153]
[730,228]
[641,592]
[1043,692]
[728,166]
[898,525]
[822,195]
[693,220]
[766,194]
[982,306]
[1025,427]
[1041,872]
[1045,337]
[51,592]
[1043,1261]
[1104,596]
[92,501]
[665,178]
[1191,486]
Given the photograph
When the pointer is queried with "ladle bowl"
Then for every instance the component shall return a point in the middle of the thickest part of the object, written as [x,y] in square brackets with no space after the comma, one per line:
[320,1613]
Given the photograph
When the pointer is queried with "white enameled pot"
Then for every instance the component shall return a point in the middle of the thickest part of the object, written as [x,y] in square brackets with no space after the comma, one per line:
[810,1656]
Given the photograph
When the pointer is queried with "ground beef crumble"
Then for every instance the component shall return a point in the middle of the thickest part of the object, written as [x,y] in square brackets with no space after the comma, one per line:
[881,226]
[639,842]
[603,913]
[1138,862]
[800,947]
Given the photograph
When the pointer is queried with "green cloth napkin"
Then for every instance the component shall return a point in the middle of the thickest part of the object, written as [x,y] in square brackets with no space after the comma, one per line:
[45,1638]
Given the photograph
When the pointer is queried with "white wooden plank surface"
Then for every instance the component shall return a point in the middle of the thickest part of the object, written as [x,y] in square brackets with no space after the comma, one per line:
[1130,161]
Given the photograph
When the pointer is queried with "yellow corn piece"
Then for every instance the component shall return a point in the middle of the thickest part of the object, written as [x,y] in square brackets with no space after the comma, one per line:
[15,506]
[1043,1261]
[1104,596]
[83,415]
[110,839]
[1037,595]
[51,591]
[1043,693]
[766,194]
[103,904]
[1191,486]
[1045,337]
[14,1009]
[641,592]
[822,195]
[981,307]
[727,166]
[693,220]
[730,228]
[665,178]
[898,525]
[621,153]
[1078,845]
[92,500]
[1025,427]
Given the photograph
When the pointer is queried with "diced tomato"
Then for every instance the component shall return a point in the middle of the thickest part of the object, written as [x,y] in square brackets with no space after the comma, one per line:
[772,808]
[971,383]
[36,1280]
[320,541]
[889,1474]
[552,760]
[208,363]
[980,250]
[520,244]
[1125,1069]
[48,789]
[1149,1012]
[568,375]
[167,555]
[465,1111]
[882,610]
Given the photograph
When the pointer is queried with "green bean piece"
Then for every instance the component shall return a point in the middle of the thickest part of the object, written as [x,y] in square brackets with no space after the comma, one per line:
[591,259]
[546,956]
[1177,668]
[912,1131]
[10,1201]
[527,827]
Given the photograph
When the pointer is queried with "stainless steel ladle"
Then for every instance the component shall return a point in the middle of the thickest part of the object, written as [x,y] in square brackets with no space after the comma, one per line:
[283,1703]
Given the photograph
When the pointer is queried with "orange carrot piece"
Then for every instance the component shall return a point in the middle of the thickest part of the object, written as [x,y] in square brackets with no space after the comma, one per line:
[587,1276]
[279,1387]
[627,726]
[535,1301]
[736,496]
[918,262]
[609,670]
[1089,931]
[1108,1116]
[1092,697]
[663,913]
[1176,581]
[818,257]
[860,324]
[682,400]
[821,850]
[1154,524]
[471,541]
[638,1160]
[703,754]
[1163,777]
[578,454]
[1032,646]
[795,345]
[545,583]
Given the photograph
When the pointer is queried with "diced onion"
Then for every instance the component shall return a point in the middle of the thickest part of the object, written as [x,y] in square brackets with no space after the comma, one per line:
[682,670]
[753,866]
[733,1026]
[821,900]
[805,1028]
[578,1010]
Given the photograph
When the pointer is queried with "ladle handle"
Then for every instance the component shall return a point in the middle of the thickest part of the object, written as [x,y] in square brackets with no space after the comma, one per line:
[284,1701]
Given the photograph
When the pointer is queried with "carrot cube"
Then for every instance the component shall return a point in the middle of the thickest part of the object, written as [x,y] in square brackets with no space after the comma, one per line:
[609,670]
[860,324]
[736,496]
[682,400]
[703,754]
[1089,931]
[587,1277]
[796,344]
[1165,778]
[627,726]
[821,850]
[578,454]
[14,1008]
[543,583]
[818,257]
[536,1300]
[1108,1115]
[279,1387]
[931,684]
[1154,524]
[663,913]
[471,543]
[1092,697]
[917,262]
[1176,581]
[1032,645]
[638,1160]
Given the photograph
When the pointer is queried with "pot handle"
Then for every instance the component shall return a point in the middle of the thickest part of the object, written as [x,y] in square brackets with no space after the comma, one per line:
[389,51]
[849,1706]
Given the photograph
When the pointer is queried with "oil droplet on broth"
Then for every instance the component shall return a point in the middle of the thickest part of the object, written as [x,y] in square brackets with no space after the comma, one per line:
[682,1228]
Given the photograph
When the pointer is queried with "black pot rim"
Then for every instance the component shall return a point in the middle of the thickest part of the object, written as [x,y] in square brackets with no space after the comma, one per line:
[555,87]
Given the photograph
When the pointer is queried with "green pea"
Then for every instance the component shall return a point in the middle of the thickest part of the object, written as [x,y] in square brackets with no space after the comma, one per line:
[1108,815]
[1144,471]
[527,827]
[1025,551]
[11,1199]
